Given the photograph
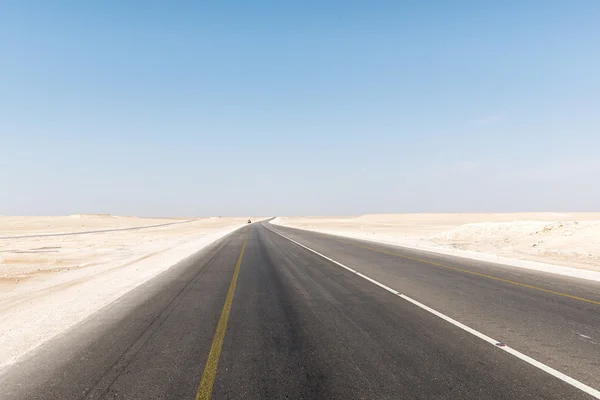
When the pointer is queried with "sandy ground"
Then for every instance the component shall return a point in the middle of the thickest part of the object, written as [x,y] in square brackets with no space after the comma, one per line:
[565,239]
[21,226]
[54,273]
[33,245]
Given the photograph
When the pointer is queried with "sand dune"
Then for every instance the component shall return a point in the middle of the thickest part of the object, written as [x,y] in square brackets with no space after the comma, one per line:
[127,238]
[569,239]
[16,226]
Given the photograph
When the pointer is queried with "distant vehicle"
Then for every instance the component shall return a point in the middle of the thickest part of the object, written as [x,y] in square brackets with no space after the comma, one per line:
[249,221]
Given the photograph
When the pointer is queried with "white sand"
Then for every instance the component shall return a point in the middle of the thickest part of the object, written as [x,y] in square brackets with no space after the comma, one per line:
[49,283]
[562,239]
[17,226]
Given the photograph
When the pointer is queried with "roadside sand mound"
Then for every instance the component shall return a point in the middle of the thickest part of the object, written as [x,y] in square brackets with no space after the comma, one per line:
[17,226]
[577,241]
[570,239]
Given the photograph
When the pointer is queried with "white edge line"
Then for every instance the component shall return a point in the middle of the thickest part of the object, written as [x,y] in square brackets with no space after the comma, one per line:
[557,374]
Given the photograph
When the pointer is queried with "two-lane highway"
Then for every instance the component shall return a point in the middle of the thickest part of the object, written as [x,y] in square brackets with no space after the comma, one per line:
[271,312]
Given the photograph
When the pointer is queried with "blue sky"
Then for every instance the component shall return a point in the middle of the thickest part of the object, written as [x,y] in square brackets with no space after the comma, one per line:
[299,107]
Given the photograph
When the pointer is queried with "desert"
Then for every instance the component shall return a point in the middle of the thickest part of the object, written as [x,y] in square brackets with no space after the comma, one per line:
[56,271]
[563,239]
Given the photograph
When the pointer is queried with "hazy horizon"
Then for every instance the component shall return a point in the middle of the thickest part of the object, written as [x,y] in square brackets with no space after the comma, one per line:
[270,108]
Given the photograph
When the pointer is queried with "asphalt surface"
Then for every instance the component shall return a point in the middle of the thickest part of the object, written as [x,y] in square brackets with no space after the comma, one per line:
[302,327]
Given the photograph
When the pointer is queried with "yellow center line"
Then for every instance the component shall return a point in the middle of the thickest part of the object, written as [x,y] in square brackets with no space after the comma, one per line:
[480,274]
[210,369]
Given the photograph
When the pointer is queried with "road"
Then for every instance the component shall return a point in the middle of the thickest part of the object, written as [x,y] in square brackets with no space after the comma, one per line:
[258,315]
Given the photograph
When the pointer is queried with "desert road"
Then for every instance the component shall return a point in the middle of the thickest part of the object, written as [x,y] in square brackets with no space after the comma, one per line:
[276,313]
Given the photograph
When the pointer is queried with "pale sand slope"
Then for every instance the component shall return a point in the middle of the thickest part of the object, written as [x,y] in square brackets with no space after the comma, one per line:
[49,283]
[22,226]
[564,239]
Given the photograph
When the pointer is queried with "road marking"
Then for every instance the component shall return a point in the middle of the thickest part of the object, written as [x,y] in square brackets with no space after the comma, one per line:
[557,374]
[210,370]
[478,274]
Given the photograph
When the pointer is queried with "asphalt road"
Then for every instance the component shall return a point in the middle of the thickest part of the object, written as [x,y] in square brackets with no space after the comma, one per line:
[257,316]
